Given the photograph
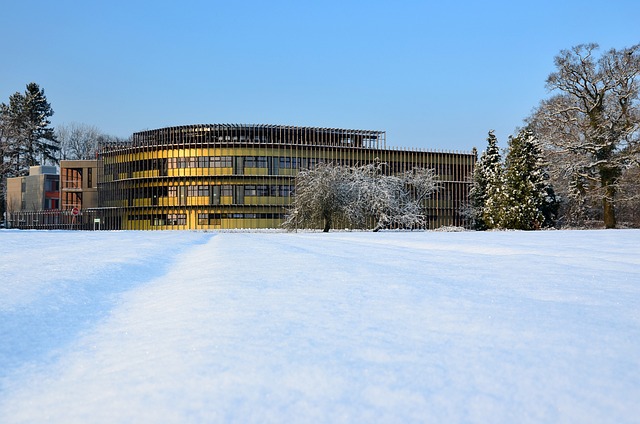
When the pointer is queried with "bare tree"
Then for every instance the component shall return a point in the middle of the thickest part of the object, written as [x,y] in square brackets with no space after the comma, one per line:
[78,141]
[590,128]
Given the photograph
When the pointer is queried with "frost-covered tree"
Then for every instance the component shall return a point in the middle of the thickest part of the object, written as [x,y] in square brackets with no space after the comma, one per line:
[484,196]
[591,126]
[322,196]
[359,196]
[527,199]
[392,201]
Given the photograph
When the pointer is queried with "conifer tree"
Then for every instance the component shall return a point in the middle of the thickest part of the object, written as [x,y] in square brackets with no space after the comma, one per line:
[527,199]
[484,194]
[30,138]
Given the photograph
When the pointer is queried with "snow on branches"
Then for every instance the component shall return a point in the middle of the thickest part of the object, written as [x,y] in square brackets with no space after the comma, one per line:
[362,196]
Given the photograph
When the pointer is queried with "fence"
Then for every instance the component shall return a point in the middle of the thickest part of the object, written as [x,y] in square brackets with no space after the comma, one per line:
[55,219]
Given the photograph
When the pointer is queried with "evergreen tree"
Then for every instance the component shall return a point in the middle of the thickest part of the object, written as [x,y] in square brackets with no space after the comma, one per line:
[40,143]
[26,137]
[527,199]
[477,194]
[486,186]
[31,139]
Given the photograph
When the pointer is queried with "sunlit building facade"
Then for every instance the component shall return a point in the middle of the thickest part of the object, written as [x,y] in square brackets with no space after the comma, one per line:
[243,176]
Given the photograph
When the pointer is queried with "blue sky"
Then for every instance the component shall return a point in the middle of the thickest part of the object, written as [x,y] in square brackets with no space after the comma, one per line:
[434,75]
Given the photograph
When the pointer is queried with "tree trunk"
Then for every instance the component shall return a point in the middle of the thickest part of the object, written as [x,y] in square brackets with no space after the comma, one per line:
[608,178]
[609,208]
[327,225]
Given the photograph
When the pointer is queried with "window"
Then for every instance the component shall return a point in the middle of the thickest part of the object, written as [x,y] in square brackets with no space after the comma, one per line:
[285,162]
[285,190]
[50,185]
[203,219]
[255,162]
[173,192]
[226,190]
[200,190]
[262,190]
[261,162]
[249,190]
[89,177]
[221,162]
[176,219]
[203,161]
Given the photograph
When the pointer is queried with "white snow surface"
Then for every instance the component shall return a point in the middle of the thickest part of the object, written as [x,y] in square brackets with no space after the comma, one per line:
[345,327]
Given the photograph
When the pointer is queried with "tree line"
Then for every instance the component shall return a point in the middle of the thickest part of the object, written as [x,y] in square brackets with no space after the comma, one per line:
[577,161]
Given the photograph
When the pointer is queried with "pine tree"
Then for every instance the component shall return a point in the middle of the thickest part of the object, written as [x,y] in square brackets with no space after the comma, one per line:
[484,194]
[26,137]
[31,139]
[40,141]
[527,199]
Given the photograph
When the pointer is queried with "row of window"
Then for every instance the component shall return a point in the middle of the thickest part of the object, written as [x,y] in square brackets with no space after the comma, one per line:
[201,162]
[276,190]
[236,162]
[214,218]
[203,218]
[246,161]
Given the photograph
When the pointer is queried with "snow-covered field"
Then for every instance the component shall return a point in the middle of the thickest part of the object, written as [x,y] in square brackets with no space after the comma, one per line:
[395,327]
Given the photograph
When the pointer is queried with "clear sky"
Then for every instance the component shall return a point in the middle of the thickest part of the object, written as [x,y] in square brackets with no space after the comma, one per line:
[434,75]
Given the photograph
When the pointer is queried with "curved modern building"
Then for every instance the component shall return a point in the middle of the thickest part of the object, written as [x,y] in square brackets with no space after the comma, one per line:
[243,176]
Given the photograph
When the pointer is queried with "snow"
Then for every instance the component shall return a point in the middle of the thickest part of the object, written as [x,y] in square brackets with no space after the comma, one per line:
[389,327]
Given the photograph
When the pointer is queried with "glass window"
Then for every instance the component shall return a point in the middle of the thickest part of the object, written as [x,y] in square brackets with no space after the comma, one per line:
[221,162]
[261,161]
[262,190]
[285,190]
[226,190]
[285,162]
[176,219]
[199,190]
